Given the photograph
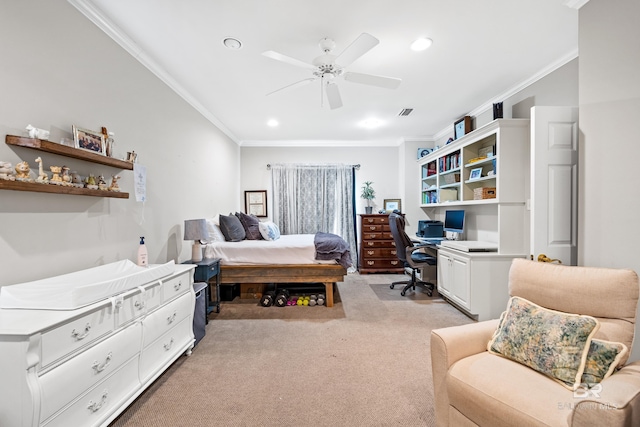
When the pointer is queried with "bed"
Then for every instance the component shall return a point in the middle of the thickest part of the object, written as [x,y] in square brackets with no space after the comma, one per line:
[288,259]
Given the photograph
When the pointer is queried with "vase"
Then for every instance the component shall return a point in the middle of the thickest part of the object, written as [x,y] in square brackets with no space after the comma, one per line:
[368,209]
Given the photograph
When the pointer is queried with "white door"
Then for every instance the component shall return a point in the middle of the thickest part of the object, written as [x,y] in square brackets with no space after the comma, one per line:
[554,180]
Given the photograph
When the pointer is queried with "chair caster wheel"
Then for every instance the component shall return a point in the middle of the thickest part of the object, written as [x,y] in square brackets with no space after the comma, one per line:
[403,293]
[391,286]
[430,294]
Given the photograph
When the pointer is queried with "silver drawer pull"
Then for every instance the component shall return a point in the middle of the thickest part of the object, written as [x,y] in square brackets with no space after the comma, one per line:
[171,318]
[177,286]
[139,305]
[394,262]
[393,252]
[95,406]
[370,262]
[81,335]
[169,345]
[97,367]
[370,243]
[370,252]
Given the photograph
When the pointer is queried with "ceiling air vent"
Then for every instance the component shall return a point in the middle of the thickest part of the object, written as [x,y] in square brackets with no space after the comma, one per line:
[405,111]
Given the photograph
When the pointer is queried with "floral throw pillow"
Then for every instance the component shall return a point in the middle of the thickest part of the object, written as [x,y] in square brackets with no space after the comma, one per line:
[269,230]
[602,359]
[551,342]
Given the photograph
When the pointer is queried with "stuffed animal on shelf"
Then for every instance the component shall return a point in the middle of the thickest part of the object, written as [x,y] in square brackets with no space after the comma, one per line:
[23,172]
[6,171]
[114,183]
[42,175]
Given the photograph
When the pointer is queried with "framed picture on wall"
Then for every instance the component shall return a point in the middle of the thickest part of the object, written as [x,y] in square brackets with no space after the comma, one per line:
[255,203]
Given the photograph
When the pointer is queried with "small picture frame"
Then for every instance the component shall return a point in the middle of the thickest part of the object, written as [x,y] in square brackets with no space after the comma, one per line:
[255,203]
[88,140]
[391,205]
[462,127]
[475,174]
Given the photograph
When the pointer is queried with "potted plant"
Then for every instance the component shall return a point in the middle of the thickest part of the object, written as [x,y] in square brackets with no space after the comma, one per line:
[368,193]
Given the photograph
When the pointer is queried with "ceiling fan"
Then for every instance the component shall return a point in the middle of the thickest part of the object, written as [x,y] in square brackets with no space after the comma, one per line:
[327,67]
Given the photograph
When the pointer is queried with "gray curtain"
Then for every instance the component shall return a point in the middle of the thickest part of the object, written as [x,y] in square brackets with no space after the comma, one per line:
[309,198]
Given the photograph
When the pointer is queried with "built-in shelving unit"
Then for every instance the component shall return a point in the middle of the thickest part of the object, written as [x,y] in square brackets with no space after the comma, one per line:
[63,150]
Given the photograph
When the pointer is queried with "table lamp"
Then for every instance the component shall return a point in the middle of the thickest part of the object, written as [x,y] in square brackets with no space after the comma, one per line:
[196,230]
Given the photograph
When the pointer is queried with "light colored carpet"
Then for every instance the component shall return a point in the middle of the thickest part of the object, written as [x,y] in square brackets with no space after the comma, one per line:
[364,362]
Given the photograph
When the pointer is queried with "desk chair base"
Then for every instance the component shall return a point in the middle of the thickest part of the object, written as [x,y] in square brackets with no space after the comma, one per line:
[412,284]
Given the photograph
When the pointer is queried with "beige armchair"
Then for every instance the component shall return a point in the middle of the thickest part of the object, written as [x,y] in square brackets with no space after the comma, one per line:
[474,387]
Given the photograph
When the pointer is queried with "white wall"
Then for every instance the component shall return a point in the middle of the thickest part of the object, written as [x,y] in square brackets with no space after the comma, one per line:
[609,195]
[58,69]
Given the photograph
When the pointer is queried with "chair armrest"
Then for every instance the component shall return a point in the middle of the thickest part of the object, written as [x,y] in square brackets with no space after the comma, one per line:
[448,345]
[616,401]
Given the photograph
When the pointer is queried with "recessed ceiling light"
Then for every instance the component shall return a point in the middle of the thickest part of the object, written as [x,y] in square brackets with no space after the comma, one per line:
[232,43]
[421,44]
[371,123]
[272,123]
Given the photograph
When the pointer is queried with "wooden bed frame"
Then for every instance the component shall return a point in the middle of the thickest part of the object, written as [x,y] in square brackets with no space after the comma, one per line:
[327,274]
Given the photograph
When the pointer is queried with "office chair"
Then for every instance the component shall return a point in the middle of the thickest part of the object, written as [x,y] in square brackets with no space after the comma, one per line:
[411,256]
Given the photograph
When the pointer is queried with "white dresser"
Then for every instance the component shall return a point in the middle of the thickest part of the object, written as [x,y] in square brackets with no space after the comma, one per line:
[84,366]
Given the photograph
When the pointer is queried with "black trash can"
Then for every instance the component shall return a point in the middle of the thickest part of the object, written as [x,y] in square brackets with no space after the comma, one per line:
[200,312]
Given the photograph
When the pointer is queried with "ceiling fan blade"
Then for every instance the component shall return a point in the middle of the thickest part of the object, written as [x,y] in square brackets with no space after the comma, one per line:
[293,85]
[289,60]
[333,96]
[363,44]
[371,80]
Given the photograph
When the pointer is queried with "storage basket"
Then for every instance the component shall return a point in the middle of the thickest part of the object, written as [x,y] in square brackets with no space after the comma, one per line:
[451,178]
[484,193]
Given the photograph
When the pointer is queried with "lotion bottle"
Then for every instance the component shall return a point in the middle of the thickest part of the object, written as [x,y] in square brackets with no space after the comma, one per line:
[142,254]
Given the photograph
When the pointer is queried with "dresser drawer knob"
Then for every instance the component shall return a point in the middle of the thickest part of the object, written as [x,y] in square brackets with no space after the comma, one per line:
[97,367]
[81,335]
[169,345]
[171,318]
[95,406]
[177,286]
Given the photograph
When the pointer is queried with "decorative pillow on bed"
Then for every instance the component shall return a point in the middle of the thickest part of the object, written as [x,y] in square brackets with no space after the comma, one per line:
[232,228]
[215,234]
[251,225]
[548,341]
[269,230]
[603,358]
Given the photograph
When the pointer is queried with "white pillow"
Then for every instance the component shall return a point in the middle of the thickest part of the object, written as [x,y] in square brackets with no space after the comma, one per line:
[269,230]
[215,234]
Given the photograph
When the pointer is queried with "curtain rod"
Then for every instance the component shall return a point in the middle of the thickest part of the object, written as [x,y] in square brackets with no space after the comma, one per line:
[357,167]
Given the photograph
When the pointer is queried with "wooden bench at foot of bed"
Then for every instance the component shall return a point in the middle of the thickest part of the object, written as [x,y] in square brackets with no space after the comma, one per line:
[327,274]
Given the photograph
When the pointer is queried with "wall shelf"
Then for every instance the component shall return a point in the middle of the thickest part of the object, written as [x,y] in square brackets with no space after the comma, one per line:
[63,150]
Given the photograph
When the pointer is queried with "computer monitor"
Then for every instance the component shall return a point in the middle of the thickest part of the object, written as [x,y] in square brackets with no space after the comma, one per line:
[454,222]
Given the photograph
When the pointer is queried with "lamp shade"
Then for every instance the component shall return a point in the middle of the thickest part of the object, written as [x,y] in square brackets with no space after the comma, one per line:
[196,229]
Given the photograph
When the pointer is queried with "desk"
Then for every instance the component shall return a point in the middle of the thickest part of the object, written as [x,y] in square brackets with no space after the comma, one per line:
[207,269]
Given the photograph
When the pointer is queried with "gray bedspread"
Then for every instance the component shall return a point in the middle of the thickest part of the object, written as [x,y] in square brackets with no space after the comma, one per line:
[331,246]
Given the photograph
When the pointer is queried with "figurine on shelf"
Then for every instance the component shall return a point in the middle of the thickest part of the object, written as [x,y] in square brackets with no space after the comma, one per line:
[34,132]
[91,182]
[6,171]
[23,172]
[56,179]
[114,183]
[102,184]
[42,175]
[66,178]
[76,180]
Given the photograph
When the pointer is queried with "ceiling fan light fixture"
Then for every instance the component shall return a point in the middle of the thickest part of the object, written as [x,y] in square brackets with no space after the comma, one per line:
[420,44]
[272,123]
[232,43]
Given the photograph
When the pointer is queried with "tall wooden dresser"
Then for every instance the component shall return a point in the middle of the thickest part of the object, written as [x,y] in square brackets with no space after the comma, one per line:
[377,248]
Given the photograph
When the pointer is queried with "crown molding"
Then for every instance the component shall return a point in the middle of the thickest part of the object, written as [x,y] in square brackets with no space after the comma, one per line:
[94,15]
[575,4]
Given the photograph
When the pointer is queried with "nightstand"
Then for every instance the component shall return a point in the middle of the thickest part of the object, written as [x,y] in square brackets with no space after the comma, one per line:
[207,269]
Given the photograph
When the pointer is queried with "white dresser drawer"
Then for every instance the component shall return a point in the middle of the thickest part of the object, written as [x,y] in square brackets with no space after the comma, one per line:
[69,380]
[165,318]
[176,286]
[92,408]
[137,303]
[165,349]
[67,338]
